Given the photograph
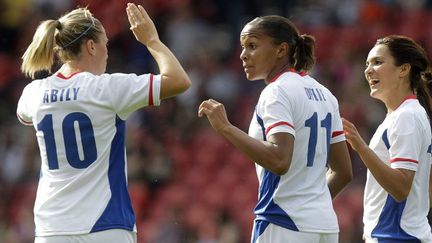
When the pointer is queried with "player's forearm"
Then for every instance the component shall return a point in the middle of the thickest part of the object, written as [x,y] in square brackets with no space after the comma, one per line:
[175,79]
[340,172]
[392,180]
[336,182]
[430,190]
[261,152]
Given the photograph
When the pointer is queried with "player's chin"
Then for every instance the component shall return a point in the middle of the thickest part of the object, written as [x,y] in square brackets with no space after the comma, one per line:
[376,94]
[251,76]
[373,93]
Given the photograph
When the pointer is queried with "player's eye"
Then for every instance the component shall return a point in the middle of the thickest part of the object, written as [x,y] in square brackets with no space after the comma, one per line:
[252,46]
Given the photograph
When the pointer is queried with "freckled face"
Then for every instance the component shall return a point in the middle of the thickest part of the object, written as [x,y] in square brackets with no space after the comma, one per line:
[382,74]
[258,53]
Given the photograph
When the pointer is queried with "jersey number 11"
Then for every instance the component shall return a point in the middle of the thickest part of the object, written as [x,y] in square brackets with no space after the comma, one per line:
[312,123]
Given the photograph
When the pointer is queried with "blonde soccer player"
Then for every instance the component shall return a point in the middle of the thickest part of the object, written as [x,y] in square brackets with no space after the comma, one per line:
[79,115]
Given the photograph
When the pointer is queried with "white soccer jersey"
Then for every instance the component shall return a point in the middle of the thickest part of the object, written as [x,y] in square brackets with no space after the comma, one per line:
[401,141]
[80,128]
[300,199]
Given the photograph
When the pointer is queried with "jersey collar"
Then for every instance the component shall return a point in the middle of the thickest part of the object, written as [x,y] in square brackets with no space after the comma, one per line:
[291,70]
[60,75]
[409,97]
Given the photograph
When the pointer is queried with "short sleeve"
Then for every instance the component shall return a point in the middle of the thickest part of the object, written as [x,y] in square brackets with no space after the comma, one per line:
[129,92]
[405,145]
[23,110]
[337,133]
[276,111]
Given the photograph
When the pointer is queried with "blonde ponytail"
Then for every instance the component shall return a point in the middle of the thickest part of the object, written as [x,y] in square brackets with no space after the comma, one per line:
[40,53]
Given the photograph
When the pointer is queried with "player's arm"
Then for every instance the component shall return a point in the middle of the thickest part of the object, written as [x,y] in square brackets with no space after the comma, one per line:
[339,173]
[430,189]
[397,182]
[274,154]
[22,111]
[174,78]
[430,198]
[23,121]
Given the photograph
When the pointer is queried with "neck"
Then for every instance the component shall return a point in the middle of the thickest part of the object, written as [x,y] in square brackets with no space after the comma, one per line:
[69,68]
[396,100]
[277,70]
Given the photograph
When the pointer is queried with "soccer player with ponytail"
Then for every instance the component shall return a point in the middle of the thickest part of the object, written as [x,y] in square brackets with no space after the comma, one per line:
[398,157]
[295,137]
[79,115]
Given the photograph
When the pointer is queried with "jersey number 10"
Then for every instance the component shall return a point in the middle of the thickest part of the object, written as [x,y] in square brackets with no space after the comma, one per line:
[70,140]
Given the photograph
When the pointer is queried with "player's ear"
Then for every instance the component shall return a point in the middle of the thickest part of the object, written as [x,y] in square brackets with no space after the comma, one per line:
[404,69]
[90,47]
[282,50]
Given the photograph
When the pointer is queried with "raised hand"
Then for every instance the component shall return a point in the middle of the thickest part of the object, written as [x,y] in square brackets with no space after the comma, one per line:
[352,135]
[141,24]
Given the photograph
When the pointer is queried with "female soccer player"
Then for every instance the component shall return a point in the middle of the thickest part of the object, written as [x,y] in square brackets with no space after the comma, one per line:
[295,136]
[79,115]
[396,198]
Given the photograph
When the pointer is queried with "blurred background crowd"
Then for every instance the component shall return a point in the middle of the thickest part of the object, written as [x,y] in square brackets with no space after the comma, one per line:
[188,185]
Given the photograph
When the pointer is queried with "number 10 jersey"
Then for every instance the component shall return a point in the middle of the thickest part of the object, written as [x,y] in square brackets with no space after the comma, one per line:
[80,128]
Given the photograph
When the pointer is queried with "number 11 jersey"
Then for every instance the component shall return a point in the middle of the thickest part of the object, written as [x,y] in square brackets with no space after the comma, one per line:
[299,200]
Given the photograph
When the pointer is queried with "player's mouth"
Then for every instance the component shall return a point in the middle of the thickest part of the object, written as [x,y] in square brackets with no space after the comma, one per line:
[373,82]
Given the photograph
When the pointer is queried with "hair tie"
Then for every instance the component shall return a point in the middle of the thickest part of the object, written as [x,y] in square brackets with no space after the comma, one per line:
[58,25]
[300,40]
[427,76]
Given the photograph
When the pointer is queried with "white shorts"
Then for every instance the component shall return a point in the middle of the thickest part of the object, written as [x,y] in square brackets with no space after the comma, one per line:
[105,236]
[276,234]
